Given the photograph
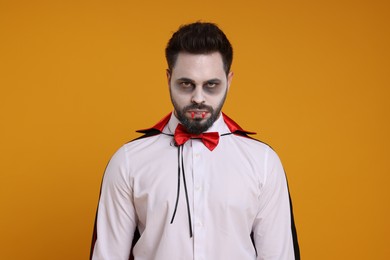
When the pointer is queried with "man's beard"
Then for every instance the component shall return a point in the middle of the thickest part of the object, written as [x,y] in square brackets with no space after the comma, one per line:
[196,126]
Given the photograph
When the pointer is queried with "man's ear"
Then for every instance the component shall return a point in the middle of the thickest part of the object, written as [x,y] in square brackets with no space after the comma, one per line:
[168,72]
[229,79]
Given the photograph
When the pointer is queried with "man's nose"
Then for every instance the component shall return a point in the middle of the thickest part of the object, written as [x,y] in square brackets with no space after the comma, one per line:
[198,95]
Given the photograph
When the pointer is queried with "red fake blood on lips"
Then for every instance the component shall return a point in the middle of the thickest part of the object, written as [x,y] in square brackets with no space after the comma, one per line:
[203,114]
[192,114]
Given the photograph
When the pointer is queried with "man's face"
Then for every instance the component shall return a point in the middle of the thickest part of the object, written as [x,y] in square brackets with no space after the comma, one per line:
[198,87]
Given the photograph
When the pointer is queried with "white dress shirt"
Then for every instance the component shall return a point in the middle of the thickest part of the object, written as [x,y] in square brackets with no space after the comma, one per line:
[237,189]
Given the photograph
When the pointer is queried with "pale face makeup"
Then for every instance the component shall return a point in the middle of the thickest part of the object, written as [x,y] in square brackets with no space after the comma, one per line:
[198,86]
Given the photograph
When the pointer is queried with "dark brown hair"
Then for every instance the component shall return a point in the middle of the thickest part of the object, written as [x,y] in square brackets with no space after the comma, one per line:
[199,38]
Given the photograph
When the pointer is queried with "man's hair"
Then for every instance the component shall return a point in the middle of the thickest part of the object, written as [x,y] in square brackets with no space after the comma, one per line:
[199,38]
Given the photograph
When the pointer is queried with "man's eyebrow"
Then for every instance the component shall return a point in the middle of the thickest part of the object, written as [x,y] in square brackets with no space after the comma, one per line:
[216,80]
[185,79]
[213,80]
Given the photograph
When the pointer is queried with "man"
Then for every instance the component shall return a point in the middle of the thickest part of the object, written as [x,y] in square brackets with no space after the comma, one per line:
[195,186]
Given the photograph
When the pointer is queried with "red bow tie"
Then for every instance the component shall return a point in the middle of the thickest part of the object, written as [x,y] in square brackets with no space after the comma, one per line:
[209,139]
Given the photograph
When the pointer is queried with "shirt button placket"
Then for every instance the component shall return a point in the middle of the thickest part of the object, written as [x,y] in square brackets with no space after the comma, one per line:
[198,201]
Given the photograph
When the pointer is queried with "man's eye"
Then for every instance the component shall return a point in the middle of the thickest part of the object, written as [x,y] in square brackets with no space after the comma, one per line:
[186,84]
[211,84]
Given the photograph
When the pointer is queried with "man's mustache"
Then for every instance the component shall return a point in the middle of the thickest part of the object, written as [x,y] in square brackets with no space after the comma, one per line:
[198,107]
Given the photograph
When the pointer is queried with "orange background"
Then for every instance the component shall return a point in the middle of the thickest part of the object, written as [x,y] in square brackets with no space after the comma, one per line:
[78,78]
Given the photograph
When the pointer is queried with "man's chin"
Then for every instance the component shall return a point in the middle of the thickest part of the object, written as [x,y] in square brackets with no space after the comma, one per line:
[196,124]
[198,120]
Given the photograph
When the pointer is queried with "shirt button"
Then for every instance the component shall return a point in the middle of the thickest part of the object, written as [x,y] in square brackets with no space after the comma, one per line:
[197,188]
[198,224]
[197,155]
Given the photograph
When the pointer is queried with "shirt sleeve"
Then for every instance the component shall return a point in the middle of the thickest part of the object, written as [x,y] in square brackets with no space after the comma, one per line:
[272,232]
[116,218]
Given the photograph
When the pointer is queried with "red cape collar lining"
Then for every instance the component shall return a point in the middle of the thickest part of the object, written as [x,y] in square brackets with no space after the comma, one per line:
[233,126]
